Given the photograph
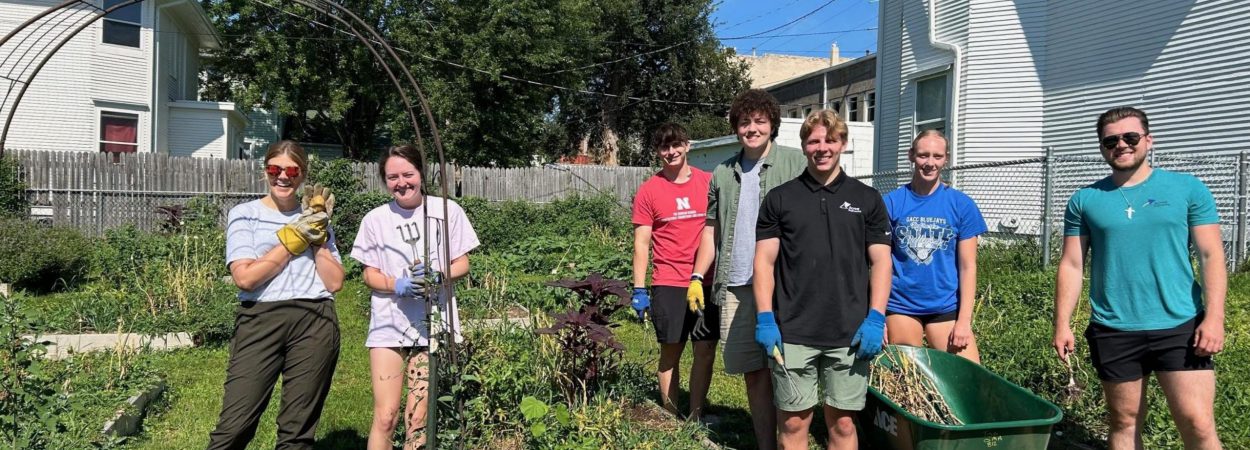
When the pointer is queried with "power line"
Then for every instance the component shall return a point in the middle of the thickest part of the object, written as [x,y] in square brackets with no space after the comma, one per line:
[802,34]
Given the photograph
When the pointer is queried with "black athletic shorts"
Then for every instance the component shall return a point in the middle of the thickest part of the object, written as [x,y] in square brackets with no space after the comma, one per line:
[1132,355]
[674,323]
[926,319]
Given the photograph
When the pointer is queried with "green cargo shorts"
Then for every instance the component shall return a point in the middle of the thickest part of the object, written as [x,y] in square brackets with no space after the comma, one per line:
[842,377]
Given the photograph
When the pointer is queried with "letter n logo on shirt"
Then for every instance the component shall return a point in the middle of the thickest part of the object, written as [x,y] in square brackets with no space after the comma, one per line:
[683,203]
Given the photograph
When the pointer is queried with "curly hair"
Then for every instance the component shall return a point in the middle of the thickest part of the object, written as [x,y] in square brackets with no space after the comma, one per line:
[755,101]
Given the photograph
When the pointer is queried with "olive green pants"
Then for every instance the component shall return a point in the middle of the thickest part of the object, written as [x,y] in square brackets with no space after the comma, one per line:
[297,339]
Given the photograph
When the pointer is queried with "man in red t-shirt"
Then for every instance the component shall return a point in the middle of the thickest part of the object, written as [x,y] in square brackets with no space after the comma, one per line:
[670,210]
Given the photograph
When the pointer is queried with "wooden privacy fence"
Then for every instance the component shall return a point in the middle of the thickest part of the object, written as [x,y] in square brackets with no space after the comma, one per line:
[551,182]
[93,192]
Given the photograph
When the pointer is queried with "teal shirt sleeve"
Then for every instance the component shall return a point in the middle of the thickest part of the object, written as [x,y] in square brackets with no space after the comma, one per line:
[1073,220]
[1202,210]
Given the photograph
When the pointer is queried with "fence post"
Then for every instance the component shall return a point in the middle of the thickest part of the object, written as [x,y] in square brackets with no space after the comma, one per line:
[1047,187]
[1243,185]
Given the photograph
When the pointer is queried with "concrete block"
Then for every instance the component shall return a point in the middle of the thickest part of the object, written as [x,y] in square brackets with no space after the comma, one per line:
[127,419]
[62,345]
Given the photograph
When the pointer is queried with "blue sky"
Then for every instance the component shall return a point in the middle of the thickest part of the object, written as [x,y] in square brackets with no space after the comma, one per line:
[843,21]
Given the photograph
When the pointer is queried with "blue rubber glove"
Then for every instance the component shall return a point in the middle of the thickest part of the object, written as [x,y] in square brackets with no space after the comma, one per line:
[767,334]
[420,274]
[406,287]
[869,335]
[641,301]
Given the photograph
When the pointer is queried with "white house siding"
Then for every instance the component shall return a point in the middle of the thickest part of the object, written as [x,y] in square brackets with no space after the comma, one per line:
[904,54]
[61,109]
[1185,64]
[197,132]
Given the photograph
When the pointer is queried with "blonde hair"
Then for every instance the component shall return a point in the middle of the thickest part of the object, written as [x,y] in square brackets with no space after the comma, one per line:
[834,125]
[925,134]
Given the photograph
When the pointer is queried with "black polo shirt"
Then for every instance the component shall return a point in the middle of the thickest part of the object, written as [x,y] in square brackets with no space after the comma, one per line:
[821,292]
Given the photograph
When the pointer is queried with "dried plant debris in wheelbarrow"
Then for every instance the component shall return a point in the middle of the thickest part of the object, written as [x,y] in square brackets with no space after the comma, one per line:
[899,378]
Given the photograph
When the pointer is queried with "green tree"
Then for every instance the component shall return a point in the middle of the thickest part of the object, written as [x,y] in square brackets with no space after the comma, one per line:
[660,50]
[472,58]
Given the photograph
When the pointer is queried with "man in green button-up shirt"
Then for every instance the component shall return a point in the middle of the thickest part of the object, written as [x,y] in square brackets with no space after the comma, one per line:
[738,187]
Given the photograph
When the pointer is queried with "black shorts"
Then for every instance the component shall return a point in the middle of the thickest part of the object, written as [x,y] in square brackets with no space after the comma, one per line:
[674,323]
[1132,355]
[926,319]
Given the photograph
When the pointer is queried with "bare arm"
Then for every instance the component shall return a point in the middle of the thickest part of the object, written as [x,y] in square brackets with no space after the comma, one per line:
[1209,338]
[248,274]
[707,249]
[1068,282]
[329,269]
[642,253]
[765,261]
[967,261]
[879,276]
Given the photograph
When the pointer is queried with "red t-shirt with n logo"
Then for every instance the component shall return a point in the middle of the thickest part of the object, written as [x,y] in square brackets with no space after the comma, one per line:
[676,214]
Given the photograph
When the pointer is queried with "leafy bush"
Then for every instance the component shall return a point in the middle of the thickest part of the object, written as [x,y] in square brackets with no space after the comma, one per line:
[40,258]
[31,407]
[12,190]
[501,225]
[351,202]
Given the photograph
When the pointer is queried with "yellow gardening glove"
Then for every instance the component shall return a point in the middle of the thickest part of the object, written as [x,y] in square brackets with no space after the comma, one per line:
[319,199]
[309,229]
[694,294]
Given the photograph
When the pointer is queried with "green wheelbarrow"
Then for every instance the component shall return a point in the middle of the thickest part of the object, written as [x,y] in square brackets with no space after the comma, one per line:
[996,413]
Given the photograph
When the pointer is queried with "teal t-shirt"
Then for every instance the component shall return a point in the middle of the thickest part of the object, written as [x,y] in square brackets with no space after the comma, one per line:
[1141,277]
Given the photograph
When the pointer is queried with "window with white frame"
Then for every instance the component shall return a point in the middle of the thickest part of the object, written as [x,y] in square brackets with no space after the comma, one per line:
[836,106]
[807,111]
[119,132]
[852,109]
[931,103]
[872,106]
[122,26]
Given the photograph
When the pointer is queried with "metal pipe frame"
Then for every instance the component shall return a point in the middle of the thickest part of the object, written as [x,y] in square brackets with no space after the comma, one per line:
[383,54]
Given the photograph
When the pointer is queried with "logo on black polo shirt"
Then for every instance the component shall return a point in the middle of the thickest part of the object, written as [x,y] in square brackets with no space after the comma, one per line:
[847,206]
[920,237]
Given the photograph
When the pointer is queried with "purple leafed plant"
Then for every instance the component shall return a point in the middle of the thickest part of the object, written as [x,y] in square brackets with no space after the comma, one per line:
[589,349]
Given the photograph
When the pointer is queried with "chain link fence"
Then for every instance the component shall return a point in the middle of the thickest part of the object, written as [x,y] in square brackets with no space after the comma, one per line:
[1026,199]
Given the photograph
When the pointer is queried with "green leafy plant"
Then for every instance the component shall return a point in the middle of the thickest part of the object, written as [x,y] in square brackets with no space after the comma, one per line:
[41,258]
[31,407]
[12,190]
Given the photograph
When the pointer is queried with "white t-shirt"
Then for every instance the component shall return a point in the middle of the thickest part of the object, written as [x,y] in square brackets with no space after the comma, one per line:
[251,231]
[390,240]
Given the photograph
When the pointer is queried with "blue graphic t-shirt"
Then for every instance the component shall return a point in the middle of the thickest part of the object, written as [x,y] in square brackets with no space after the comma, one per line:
[927,231]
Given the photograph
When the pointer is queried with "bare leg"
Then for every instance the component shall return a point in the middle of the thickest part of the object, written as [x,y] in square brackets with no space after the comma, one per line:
[794,426]
[904,330]
[701,376]
[418,400]
[939,334]
[670,375]
[1126,408]
[841,424]
[763,412]
[1191,398]
[386,371]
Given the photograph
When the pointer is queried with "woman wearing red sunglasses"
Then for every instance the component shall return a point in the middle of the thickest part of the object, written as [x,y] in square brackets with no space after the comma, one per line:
[282,256]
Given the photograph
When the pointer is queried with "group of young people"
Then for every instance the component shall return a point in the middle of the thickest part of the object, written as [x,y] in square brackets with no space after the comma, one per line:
[282,255]
[800,273]
[797,269]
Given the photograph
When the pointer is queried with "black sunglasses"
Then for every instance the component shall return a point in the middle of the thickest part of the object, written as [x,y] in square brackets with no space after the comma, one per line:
[1130,138]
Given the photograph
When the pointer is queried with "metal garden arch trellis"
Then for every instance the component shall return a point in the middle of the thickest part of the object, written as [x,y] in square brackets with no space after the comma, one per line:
[44,34]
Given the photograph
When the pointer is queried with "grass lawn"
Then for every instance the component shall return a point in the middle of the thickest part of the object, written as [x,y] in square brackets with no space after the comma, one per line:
[188,411]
